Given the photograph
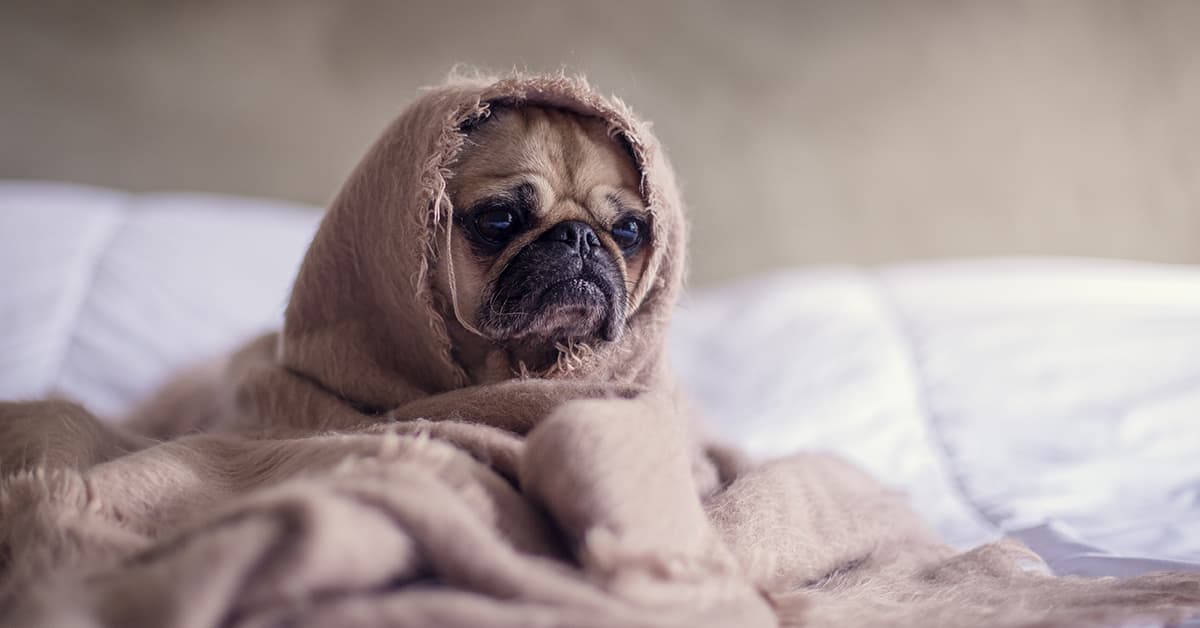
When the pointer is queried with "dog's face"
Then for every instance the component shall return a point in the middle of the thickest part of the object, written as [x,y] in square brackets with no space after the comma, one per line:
[550,233]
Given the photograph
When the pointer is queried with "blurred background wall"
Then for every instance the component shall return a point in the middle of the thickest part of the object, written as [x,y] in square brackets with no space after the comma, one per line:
[803,131]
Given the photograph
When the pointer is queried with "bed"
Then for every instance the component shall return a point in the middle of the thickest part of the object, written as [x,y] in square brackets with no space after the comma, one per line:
[1056,401]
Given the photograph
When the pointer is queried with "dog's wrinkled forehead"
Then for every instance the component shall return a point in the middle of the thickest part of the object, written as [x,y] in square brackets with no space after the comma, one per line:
[566,164]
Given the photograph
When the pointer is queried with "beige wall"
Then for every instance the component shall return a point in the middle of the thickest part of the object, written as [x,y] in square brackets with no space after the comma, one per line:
[804,132]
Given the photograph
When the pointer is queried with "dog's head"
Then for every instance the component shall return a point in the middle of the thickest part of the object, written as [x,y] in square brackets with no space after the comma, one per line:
[550,231]
[520,225]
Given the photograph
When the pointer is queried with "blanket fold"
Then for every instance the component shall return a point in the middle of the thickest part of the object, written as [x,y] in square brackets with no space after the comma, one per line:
[347,471]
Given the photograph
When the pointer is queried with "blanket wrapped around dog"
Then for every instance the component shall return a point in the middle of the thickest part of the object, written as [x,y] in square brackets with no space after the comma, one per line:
[348,472]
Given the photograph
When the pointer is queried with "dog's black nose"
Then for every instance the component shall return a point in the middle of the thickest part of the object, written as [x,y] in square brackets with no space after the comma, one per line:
[578,235]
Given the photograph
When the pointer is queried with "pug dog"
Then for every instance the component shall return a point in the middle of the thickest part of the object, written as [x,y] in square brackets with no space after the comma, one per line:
[547,242]
[550,235]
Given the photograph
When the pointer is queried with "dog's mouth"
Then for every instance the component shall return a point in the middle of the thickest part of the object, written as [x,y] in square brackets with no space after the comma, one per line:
[575,308]
[535,307]
[573,292]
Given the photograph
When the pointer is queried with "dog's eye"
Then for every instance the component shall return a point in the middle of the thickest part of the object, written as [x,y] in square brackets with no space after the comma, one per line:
[497,226]
[628,234]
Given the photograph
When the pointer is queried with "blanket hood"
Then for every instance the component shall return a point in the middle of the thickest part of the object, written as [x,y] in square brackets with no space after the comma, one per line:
[364,320]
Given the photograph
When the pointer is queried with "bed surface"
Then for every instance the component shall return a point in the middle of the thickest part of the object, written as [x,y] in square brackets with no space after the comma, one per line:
[1055,400]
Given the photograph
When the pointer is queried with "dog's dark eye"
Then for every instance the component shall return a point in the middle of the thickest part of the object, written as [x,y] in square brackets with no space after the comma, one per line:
[497,226]
[628,234]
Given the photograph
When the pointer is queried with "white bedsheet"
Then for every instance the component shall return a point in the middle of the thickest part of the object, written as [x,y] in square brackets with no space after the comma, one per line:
[1054,400]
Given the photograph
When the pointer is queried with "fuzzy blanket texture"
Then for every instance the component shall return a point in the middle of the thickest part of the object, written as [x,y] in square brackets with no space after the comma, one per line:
[345,472]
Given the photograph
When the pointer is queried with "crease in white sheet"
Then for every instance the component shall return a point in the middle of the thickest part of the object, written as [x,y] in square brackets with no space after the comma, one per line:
[813,360]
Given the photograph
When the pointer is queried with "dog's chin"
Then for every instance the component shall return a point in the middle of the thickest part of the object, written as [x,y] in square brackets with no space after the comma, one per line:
[572,309]
[575,309]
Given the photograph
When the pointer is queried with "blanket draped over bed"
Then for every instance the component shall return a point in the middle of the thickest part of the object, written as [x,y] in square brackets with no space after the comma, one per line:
[348,472]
